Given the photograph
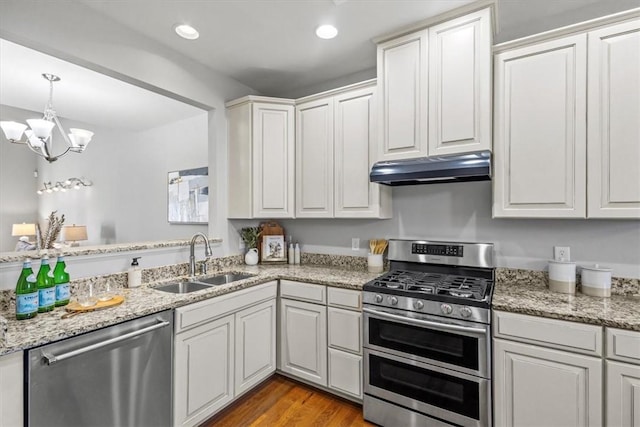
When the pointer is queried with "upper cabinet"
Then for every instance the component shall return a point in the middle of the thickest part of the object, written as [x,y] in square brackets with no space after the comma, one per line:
[261,158]
[435,89]
[613,131]
[565,146]
[335,149]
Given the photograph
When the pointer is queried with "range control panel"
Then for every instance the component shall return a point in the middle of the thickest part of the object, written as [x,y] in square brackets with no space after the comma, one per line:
[443,250]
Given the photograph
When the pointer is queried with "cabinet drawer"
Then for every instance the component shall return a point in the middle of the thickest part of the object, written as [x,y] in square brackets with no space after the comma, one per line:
[204,311]
[571,336]
[344,298]
[303,291]
[345,373]
[345,330]
[623,345]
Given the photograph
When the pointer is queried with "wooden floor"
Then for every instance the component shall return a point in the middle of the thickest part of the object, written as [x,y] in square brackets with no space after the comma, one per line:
[284,402]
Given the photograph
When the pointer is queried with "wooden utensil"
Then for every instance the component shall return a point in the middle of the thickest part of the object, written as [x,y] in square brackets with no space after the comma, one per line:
[372,246]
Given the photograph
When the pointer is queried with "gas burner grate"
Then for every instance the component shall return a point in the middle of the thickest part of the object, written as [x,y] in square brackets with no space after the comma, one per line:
[434,283]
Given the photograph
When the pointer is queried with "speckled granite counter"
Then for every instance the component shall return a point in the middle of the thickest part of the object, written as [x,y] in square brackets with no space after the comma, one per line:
[526,292]
[49,327]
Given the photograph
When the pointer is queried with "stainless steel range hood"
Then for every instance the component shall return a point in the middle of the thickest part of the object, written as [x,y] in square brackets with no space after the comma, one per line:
[433,170]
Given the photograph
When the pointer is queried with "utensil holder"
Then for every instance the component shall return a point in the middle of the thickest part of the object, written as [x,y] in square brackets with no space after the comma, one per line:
[375,263]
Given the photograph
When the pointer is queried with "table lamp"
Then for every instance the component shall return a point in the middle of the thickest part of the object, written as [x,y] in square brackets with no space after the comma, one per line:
[74,233]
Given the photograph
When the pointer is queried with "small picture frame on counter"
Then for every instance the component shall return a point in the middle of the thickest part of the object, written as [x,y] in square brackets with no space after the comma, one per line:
[273,249]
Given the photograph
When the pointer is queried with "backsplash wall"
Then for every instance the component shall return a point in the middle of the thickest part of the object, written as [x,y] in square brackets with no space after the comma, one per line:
[462,212]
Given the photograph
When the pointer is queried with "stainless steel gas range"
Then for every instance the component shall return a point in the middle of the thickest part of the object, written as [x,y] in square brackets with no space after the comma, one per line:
[427,336]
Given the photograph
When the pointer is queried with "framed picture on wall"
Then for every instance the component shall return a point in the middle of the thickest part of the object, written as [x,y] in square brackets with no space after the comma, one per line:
[273,249]
[188,196]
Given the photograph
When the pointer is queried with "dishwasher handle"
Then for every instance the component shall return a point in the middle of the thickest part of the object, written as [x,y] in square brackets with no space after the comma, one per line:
[50,358]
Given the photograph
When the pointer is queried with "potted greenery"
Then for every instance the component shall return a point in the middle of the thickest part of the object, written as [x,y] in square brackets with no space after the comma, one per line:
[250,237]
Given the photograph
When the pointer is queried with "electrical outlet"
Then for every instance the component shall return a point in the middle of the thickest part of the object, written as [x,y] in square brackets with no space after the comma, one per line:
[562,253]
[355,244]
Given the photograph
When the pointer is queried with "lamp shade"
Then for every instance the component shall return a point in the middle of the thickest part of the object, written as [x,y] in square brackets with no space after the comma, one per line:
[13,130]
[23,229]
[74,233]
[41,128]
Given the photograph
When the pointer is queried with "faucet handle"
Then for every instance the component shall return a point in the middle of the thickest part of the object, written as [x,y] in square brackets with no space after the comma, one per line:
[203,267]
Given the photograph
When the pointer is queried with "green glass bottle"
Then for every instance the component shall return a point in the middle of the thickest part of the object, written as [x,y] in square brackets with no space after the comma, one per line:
[46,287]
[61,280]
[26,293]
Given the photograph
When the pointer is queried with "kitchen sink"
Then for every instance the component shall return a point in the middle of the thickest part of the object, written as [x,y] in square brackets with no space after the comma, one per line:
[224,278]
[182,287]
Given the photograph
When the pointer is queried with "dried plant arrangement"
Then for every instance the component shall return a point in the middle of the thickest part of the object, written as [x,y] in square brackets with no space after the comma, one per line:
[54,226]
[250,236]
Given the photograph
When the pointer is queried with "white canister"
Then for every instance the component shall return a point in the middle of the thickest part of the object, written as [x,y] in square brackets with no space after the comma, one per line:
[562,277]
[375,264]
[596,281]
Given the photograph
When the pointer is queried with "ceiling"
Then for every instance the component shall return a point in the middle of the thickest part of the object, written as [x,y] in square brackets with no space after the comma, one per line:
[271,45]
[82,94]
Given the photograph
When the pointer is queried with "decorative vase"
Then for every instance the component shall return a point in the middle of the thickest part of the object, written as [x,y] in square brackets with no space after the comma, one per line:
[251,257]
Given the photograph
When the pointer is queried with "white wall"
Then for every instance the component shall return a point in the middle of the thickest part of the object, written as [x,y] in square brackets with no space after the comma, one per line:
[18,200]
[462,212]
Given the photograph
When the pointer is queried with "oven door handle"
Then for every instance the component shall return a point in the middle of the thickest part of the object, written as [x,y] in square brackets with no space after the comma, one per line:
[420,322]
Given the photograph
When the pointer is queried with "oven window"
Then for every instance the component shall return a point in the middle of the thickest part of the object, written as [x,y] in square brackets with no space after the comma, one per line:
[441,390]
[459,350]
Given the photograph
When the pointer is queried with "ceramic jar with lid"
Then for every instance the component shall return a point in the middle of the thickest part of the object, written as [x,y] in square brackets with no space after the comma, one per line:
[596,281]
[562,277]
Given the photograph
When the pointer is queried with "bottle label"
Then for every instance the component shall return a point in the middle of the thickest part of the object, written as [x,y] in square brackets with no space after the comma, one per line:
[47,297]
[50,273]
[62,292]
[31,278]
[27,303]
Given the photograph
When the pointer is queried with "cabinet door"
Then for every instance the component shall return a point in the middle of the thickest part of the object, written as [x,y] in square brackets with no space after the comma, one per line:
[460,85]
[11,390]
[203,375]
[345,372]
[303,340]
[355,152]
[345,330]
[255,357]
[402,85]
[535,386]
[623,395]
[273,161]
[314,159]
[540,130]
[614,124]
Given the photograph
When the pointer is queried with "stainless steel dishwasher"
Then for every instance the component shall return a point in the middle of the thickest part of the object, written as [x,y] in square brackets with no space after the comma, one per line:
[116,376]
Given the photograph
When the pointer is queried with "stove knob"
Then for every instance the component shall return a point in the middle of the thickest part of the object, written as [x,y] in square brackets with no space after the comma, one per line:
[379,298]
[465,311]
[418,305]
[393,301]
[446,308]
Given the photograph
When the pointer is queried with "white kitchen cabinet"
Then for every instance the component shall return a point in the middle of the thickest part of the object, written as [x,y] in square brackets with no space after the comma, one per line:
[613,124]
[540,130]
[336,146]
[345,373]
[303,340]
[223,346]
[537,386]
[435,89]
[460,84]
[314,159]
[345,330]
[623,394]
[203,375]
[11,390]
[261,160]
[403,84]
[255,341]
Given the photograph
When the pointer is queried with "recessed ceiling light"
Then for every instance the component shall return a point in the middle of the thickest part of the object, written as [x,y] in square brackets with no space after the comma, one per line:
[326,31]
[187,31]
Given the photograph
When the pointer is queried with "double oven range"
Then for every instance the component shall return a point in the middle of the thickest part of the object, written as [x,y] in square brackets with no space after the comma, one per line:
[427,336]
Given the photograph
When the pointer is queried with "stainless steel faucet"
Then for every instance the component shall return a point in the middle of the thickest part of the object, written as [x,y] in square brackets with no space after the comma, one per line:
[192,257]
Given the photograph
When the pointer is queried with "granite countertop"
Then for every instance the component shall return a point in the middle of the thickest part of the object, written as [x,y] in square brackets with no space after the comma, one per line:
[525,292]
[49,327]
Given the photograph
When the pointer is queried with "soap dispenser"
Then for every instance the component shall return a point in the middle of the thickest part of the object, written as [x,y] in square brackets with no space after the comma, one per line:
[134,275]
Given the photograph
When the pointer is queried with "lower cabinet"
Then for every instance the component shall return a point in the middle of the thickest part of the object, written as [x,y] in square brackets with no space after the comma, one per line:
[11,390]
[303,340]
[536,386]
[222,348]
[623,394]
[345,350]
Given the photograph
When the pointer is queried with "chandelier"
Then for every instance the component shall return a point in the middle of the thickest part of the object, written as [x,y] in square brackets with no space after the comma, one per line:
[63,186]
[39,136]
